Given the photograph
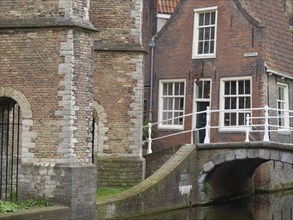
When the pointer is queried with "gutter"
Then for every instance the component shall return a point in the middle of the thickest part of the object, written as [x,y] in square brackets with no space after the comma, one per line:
[271,71]
[152,44]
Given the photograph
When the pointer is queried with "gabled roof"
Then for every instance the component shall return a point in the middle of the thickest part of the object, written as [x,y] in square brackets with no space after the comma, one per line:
[166,6]
[278,39]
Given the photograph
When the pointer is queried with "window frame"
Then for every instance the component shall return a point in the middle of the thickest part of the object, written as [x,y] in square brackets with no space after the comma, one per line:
[236,127]
[285,88]
[160,104]
[195,41]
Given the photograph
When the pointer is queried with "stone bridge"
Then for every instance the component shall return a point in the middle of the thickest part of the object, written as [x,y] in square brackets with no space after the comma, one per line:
[226,169]
[194,175]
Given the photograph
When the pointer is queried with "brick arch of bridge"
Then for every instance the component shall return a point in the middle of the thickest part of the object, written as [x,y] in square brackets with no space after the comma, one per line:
[27,121]
[226,170]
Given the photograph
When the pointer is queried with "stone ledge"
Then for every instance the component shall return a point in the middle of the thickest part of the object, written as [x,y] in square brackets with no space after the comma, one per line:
[46,23]
[248,145]
[47,213]
[118,47]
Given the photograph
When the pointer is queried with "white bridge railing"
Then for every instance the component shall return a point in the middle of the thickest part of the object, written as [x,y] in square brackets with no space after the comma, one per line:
[266,120]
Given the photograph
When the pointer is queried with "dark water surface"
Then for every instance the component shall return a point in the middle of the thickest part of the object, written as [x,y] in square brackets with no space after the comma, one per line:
[272,206]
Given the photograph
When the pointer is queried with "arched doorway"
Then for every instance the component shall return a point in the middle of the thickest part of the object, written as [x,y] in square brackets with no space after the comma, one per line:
[10,130]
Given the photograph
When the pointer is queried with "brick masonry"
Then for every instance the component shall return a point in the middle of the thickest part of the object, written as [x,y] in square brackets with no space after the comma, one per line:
[118,91]
[46,66]
[170,187]
[238,32]
[50,65]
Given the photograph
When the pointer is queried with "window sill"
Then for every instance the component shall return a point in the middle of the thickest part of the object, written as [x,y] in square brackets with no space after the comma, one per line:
[165,128]
[233,129]
[199,57]
[284,131]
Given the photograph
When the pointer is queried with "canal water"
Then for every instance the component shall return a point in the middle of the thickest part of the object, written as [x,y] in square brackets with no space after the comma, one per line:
[272,206]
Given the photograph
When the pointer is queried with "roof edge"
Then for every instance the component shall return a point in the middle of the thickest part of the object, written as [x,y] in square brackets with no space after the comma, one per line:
[245,12]
[276,72]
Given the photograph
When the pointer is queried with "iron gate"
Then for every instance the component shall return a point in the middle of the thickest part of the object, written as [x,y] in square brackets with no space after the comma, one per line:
[10,124]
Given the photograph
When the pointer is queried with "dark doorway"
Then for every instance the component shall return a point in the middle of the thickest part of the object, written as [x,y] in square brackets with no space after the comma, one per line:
[10,125]
[201,119]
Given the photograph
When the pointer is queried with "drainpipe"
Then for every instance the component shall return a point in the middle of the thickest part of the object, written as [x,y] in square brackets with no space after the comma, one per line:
[152,45]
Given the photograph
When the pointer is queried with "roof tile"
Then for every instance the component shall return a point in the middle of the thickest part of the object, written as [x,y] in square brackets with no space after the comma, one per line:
[166,6]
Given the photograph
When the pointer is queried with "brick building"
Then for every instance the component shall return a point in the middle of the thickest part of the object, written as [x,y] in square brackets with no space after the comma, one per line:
[228,55]
[71,87]
[223,54]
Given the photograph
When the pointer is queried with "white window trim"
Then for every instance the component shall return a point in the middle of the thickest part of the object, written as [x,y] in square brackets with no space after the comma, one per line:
[195,55]
[160,105]
[241,128]
[286,107]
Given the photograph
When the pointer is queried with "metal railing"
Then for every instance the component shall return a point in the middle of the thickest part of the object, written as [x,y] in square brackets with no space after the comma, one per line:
[266,120]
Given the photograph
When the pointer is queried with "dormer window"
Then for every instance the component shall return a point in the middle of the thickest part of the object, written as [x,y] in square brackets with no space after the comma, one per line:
[204,33]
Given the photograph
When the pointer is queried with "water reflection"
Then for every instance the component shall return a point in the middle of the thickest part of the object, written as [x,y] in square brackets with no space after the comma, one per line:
[273,206]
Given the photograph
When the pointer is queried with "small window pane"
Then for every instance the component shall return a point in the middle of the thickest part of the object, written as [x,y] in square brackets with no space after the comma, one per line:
[207,34]
[201,32]
[241,87]
[241,102]
[227,119]
[199,95]
[200,48]
[247,87]
[206,89]
[165,114]
[233,102]
[227,103]
[233,119]
[201,17]
[177,89]
[247,103]
[206,47]
[241,119]
[207,18]
[177,104]
[213,17]
[181,103]
[227,88]
[181,88]
[165,89]
[165,104]
[181,119]
[212,46]
[170,104]
[233,88]
[170,88]
[212,33]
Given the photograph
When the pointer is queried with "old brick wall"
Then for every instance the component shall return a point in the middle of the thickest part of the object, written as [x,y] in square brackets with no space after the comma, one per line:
[46,66]
[43,9]
[29,63]
[235,37]
[118,91]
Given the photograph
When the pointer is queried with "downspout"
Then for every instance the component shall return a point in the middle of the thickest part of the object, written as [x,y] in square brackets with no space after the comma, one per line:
[152,44]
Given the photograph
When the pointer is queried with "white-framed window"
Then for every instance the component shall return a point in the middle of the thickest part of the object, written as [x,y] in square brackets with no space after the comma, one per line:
[203,90]
[204,33]
[171,104]
[283,105]
[236,96]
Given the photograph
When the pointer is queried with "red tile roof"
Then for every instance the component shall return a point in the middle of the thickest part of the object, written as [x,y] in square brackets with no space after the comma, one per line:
[166,6]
